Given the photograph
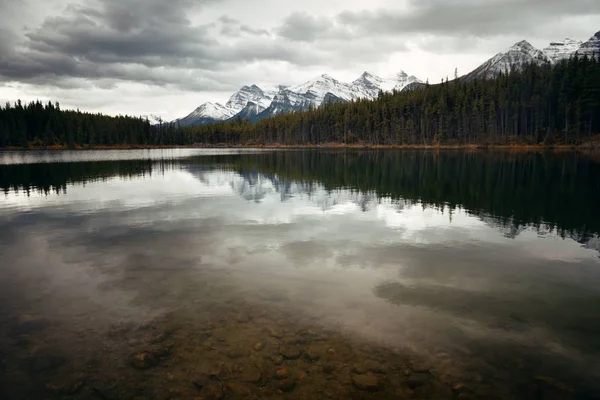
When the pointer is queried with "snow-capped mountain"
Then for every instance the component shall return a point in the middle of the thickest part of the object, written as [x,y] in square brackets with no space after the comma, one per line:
[252,102]
[247,94]
[518,55]
[368,86]
[213,112]
[313,92]
[249,112]
[205,114]
[558,51]
[523,52]
[591,48]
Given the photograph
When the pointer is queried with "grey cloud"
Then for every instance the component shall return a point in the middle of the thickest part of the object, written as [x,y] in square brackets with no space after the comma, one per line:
[304,27]
[478,18]
[454,22]
[247,29]
[233,28]
[150,42]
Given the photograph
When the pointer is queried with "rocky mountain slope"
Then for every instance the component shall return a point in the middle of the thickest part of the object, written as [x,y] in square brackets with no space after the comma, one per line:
[253,102]
[523,53]
[591,48]
[558,51]
[518,55]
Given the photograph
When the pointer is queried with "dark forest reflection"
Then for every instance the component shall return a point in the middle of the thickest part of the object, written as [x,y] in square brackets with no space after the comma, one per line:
[547,191]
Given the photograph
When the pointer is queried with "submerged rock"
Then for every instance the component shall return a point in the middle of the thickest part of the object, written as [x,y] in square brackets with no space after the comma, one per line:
[312,354]
[239,389]
[251,374]
[369,383]
[274,331]
[290,352]
[236,352]
[281,373]
[143,360]
[418,379]
[286,385]
[370,365]
[277,359]
[212,391]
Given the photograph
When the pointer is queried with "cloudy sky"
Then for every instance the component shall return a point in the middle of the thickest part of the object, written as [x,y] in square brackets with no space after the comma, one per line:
[164,58]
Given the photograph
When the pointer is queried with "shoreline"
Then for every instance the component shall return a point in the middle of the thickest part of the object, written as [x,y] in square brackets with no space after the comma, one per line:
[590,146]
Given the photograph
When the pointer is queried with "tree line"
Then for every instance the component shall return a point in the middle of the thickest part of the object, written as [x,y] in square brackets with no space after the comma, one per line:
[38,124]
[535,105]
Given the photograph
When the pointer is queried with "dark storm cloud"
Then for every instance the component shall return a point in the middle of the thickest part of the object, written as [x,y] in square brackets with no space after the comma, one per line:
[148,41]
[157,42]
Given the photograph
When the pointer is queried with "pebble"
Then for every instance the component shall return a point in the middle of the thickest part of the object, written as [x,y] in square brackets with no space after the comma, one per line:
[281,373]
[143,360]
[274,332]
[258,346]
[277,359]
[370,365]
[251,374]
[328,368]
[290,352]
[236,352]
[366,382]
[212,391]
[418,379]
[312,354]
[239,389]
[243,317]
[286,385]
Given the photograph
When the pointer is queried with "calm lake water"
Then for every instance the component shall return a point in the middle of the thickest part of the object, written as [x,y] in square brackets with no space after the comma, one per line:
[227,274]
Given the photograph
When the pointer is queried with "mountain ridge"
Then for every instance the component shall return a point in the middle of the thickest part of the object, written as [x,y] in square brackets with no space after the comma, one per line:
[313,93]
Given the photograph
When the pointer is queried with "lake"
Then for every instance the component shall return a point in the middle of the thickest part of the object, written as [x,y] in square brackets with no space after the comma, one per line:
[302,274]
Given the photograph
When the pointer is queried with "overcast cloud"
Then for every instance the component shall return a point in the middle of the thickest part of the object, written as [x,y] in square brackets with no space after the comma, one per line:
[166,57]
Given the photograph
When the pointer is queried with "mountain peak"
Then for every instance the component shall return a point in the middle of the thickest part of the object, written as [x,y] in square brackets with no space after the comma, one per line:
[523,44]
[591,48]
[562,50]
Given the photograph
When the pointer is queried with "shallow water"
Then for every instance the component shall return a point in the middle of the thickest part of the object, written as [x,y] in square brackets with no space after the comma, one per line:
[303,274]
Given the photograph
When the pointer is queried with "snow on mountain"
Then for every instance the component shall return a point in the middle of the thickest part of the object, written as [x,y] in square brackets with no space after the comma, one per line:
[206,113]
[313,92]
[518,55]
[285,101]
[368,85]
[558,51]
[591,48]
[400,81]
[252,102]
[247,94]
[249,112]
